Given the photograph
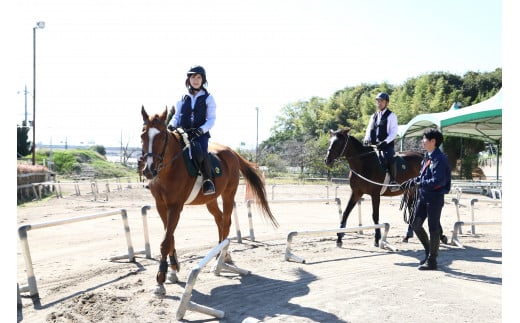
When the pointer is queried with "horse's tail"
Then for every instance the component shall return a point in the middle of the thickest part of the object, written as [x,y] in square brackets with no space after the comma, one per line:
[254,178]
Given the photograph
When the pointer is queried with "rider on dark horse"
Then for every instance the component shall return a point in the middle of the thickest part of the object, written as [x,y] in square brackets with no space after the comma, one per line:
[381,131]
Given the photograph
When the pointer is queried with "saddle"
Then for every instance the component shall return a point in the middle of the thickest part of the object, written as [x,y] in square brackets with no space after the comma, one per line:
[192,159]
[399,162]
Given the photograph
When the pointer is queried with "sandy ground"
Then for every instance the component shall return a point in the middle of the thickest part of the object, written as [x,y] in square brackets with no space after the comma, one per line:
[78,282]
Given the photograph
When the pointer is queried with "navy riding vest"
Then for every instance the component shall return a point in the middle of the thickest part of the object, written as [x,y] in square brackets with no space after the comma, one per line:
[199,112]
[383,132]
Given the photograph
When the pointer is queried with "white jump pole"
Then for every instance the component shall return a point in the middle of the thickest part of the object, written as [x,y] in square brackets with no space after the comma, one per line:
[382,243]
[456,228]
[185,302]
[22,233]
[320,200]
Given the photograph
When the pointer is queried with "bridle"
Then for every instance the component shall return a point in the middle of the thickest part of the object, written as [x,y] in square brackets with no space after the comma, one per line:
[351,157]
[359,156]
[160,157]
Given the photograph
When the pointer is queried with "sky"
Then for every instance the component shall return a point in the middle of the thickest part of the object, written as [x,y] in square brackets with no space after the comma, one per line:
[98,62]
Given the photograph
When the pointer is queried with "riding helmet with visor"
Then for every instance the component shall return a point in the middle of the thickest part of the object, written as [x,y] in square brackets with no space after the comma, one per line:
[197,69]
[383,96]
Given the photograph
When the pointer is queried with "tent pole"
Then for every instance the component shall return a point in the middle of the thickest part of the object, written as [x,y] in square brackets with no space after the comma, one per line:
[498,158]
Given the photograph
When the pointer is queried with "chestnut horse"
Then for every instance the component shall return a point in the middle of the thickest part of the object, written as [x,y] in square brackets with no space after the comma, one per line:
[367,173]
[172,186]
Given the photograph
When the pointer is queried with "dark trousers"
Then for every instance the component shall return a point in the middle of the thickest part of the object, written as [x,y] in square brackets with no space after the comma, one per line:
[429,206]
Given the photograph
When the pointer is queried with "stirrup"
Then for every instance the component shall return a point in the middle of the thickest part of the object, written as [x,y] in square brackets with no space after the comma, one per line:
[208,187]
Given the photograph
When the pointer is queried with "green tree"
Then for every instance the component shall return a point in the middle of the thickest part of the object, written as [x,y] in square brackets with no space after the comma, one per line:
[23,145]
[100,149]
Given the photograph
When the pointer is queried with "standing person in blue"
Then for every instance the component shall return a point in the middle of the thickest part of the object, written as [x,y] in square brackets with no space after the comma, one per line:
[196,113]
[381,131]
[434,182]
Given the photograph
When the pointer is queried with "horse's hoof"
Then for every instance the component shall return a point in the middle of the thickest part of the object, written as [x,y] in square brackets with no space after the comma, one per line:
[172,277]
[160,290]
[376,244]
[339,244]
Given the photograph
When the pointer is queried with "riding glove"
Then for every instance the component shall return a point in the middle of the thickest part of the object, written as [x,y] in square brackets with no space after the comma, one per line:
[382,145]
[195,133]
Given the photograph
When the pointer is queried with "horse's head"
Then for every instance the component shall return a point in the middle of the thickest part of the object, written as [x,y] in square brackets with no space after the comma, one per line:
[154,138]
[337,144]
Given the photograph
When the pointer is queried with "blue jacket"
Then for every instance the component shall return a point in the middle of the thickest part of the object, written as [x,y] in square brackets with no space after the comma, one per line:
[436,178]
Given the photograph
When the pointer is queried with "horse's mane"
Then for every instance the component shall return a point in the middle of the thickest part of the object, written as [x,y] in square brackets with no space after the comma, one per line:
[356,143]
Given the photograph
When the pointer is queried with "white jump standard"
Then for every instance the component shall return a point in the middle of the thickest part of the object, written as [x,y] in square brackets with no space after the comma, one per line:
[382,243]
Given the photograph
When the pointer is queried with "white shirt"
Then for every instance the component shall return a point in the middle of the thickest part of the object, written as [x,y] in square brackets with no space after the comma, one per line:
[392,126]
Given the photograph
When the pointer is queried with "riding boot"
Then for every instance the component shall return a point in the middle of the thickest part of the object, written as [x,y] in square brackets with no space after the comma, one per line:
[409,233]
[208,187]
[431,262]
[393,172]
[423,237]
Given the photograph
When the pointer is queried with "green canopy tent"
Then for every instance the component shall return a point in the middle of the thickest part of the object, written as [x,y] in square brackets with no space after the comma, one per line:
[482,121]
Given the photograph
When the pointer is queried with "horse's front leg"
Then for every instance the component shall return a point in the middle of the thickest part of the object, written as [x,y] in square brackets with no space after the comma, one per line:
[354,198]
[168,249]
[376,201]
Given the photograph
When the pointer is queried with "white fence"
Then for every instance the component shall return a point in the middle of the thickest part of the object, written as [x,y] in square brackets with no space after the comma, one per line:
[22,233]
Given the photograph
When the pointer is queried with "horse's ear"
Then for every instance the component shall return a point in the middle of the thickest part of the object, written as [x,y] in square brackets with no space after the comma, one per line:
[346,130]
[144,114]
[164,114]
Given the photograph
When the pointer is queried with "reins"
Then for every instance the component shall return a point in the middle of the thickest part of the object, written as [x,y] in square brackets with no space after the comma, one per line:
[359,156]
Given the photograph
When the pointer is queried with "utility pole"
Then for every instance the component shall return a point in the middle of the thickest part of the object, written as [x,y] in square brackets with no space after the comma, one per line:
[39,25]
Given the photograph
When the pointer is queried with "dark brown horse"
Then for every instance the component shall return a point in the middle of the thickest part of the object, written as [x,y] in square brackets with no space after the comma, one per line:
[367,173]
[172,186]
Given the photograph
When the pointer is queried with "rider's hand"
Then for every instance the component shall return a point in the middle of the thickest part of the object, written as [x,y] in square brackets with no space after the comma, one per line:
[366,143]
[171,128]
[382,145]
[195,133]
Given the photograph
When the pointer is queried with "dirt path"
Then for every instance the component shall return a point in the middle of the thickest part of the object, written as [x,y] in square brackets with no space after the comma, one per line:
[77,281]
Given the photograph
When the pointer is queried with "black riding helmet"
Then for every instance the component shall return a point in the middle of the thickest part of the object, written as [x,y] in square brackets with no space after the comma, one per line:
[197,69]
[383,96]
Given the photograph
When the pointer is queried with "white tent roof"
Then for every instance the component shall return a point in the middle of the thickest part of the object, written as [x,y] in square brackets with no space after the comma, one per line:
[481,121]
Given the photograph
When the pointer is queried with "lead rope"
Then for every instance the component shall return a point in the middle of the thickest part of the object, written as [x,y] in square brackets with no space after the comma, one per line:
[410,198]
[359,175]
